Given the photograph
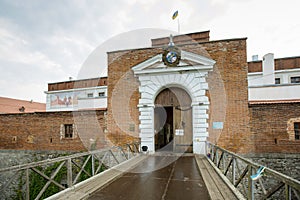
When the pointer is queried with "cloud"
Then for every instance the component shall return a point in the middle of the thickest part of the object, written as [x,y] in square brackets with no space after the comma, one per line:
[49,41]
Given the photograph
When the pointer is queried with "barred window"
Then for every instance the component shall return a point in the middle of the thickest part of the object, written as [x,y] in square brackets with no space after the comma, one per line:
[67,131]
[101,94]
[297,130]
[295,79]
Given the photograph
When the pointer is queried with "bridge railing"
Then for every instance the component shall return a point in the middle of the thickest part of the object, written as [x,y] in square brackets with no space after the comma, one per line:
[41,179]
[251,179]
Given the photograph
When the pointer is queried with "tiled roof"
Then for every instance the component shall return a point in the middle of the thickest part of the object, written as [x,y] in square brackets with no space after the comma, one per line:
[274,101]
[8,105]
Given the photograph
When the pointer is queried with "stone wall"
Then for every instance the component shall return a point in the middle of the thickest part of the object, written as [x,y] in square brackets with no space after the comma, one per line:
[10,158]
[287,164]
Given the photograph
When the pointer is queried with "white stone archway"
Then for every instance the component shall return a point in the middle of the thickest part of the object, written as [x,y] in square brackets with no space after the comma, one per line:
[154,76]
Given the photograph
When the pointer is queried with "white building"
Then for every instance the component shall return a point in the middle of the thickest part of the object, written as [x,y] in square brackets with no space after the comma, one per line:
[274,79]
[77,95]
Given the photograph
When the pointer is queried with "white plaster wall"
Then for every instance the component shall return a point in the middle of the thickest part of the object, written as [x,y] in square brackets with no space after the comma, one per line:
[92,103]
[278,92]
[256,79]
[285,90]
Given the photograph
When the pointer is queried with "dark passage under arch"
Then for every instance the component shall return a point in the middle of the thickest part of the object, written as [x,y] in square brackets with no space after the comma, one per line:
[173,121]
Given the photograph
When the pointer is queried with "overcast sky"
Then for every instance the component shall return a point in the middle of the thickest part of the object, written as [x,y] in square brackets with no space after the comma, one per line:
[44,41]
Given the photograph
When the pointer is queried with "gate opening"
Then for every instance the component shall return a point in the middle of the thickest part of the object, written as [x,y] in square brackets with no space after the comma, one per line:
[173,121]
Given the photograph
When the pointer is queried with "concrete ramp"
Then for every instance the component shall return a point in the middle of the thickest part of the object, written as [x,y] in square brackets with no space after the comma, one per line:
[159,176]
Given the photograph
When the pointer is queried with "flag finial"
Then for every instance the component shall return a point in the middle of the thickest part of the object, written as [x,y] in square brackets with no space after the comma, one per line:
[175,15]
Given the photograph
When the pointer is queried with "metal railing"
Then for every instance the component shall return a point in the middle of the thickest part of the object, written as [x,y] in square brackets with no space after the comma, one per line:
[244,175]
[39,180]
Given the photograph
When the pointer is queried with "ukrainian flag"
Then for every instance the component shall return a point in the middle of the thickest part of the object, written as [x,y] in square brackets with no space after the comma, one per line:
[175,15]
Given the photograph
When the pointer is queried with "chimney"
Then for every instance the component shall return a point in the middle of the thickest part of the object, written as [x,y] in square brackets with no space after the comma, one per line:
[255,58]
[268,69]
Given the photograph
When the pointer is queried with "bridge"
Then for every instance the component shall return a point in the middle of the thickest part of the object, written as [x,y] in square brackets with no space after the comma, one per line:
[127,173]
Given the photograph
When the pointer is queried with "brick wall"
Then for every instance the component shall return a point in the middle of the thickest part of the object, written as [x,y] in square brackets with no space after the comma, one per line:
[228,92]
[269,127]
[42,131]
[84,83]
[123,94]
[228,88]
[280,64]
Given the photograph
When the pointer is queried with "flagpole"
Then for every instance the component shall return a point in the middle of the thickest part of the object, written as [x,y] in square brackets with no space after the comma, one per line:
[175,15]
[178,25]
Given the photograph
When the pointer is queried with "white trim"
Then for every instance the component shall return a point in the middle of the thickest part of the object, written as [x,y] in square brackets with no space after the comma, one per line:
[276,71]
[197,58]
[148,62]
[203,64]
[175,69]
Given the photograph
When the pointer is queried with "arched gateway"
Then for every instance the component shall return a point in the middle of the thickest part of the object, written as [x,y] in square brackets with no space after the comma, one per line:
[186,86]
[173,121]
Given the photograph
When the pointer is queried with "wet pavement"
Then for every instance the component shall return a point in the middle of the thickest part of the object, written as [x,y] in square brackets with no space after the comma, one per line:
[158,177]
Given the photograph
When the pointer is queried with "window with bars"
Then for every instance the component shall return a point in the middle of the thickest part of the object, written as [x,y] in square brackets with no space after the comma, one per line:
[67,131]
[295,79]
[277,80]
[297,130]
[101,94]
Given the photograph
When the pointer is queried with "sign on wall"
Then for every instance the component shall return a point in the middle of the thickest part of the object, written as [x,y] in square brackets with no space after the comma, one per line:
[179,132]
[217,125]
[63,99]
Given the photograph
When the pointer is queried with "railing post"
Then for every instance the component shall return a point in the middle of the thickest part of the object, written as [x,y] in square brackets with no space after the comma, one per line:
[27,184]
[212,153]
[250,184]
[217,156]
[233,169]
[288,192]
[69,172]
[224,162]
[93,165]
[128,152]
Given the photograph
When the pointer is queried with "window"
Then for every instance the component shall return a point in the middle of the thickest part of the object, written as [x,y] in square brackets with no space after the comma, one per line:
[101,94]
[297,130]
[68,130]
[295,79]
[277,80]
[89,95]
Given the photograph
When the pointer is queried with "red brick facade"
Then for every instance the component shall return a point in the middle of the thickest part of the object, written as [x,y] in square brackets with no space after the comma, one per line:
[280,64]
[270,127]
[84,83]
[42,131]
[228,92]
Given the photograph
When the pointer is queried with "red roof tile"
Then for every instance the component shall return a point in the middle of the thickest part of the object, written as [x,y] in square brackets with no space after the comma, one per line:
[274,101]
[8,105]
